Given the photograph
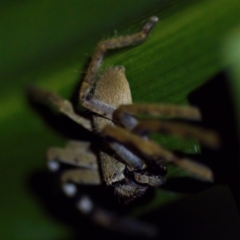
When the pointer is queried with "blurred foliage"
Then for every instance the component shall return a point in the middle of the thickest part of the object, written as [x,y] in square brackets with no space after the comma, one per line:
[47,43]
[231,56]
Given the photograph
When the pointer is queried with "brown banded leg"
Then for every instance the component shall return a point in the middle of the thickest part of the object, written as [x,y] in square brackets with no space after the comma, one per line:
[81,176]
[90,78]
[152,151]
[63,105]
[184,130]
[72,177]
[75,153]
[123,112]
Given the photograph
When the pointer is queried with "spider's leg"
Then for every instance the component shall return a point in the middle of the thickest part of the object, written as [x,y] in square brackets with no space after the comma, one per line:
[150,151]
[159,110]
[206,137]
[62,105]
[149,180]
[90,78]
[75,153]
[81,176]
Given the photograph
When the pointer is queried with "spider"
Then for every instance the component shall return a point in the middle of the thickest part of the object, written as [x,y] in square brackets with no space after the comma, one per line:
[137,162]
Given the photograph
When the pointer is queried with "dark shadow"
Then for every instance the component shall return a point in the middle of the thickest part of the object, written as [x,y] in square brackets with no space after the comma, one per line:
[211,214]
[45,185]
[216,104]
[60,208]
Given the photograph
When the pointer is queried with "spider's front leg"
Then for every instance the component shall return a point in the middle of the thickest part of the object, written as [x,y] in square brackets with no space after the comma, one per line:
[90,79]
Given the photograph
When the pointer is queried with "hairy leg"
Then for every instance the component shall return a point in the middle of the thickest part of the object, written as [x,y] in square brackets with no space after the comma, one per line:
[207,137]
[62,105]
[74,158]
[159,110]
[75,153]
[81,176]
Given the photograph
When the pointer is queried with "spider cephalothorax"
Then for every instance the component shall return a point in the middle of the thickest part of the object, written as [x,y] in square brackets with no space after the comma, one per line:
[137,162]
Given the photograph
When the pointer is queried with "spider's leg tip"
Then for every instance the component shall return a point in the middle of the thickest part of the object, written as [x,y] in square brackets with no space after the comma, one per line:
[69,189]
[85,205]
[53,166]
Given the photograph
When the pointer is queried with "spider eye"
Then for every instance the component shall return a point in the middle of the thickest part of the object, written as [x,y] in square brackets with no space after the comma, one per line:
[114,175]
